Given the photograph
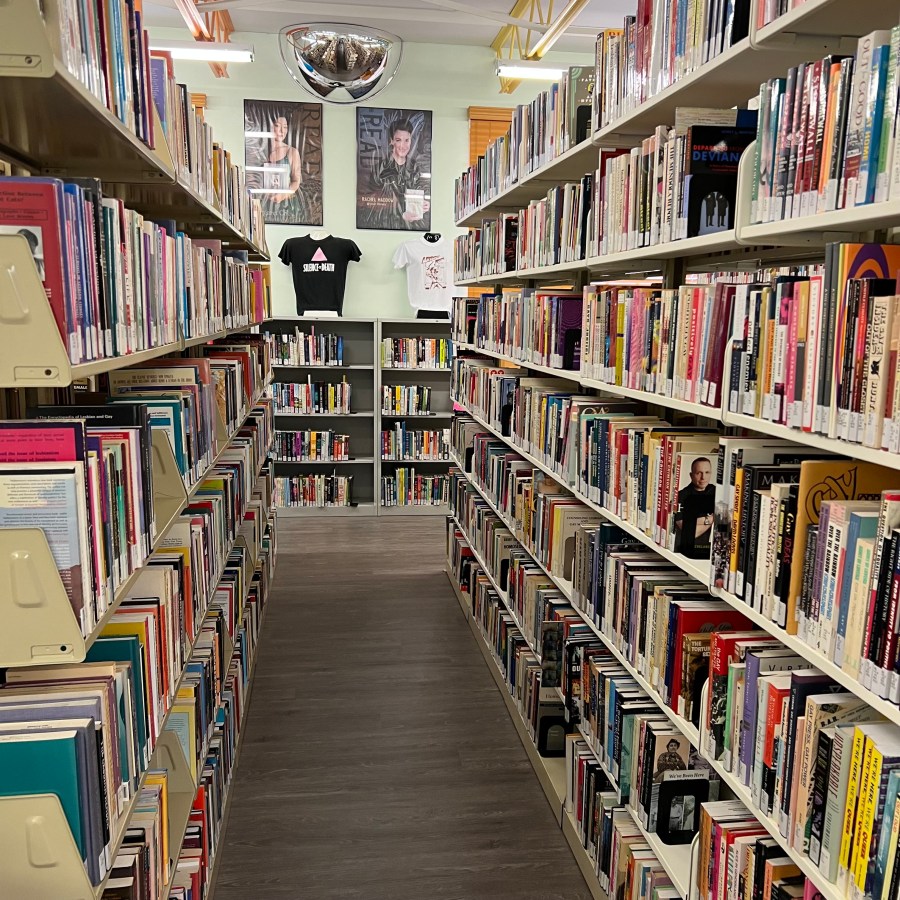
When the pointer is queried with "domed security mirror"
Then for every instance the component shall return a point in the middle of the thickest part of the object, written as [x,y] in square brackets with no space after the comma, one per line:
[340,63]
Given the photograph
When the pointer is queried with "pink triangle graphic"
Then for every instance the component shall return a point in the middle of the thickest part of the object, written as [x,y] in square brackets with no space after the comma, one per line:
[319,256]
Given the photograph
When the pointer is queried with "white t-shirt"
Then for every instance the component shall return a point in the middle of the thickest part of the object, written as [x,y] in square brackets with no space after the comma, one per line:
[429,280]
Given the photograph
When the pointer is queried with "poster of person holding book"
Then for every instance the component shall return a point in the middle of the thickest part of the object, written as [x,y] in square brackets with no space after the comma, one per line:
[393,169]
[283,160]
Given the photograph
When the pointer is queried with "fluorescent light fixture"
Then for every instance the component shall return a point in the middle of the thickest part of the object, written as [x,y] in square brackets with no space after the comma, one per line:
[206,51]
[524,70]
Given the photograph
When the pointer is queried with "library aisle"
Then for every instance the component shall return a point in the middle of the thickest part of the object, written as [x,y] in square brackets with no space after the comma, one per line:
[379,759]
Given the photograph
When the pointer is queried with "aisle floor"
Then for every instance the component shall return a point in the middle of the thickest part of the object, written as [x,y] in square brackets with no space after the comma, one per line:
[379,760]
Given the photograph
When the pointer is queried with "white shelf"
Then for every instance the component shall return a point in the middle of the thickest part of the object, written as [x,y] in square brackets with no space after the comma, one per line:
[643,258]
[303,512]
[355,461]
[674,858]
[340,368]
[820,25]
[568,166]
[314,415]
[823,227]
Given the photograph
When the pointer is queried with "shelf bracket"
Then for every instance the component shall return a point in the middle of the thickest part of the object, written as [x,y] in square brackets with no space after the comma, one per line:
[39,624]
[169,494]
[40,858]
[32,353]
[25,50]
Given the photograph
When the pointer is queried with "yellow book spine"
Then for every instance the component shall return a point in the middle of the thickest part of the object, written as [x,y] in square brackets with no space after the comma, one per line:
[865,819]
[892,853]
[735,529]
[853,784]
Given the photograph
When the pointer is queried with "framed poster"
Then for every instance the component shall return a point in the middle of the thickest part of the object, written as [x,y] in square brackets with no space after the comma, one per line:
[283,159]
[393,169]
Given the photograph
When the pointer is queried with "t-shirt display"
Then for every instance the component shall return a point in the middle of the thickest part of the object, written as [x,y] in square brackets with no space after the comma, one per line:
[320,270]
[429,281]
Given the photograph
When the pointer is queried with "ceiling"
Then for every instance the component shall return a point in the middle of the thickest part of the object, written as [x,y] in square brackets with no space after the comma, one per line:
[420,21]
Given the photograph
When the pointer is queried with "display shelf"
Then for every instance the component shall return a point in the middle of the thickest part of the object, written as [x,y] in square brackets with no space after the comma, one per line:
[585,863]
[643,259]
[822,26]
[568,166]
[685,406]
[676,859]
[431,415]
[821,228]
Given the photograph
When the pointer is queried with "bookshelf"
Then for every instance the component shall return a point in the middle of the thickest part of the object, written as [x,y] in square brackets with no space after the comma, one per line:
[363,370]
[53,124]
[437,381]
[806,32]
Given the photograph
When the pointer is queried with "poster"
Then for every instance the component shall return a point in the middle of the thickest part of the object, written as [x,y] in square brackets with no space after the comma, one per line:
[283,159]
[393,169]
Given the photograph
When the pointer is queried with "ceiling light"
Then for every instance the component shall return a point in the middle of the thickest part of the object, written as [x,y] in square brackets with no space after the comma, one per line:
[207,51]
[529,71]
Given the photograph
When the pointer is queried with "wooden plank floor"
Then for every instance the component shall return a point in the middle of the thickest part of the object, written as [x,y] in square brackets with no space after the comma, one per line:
[379,760]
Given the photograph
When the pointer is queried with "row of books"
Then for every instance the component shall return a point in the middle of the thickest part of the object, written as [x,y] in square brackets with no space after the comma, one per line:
[200,161]
[656,477]
[106,47]
[307,349]
[298,446]
[491,249]
[678,183]
[557,228]
[314,490]
[118,283]
[404,443]
[416,353]
[518,663]
[90,467]
[160,654]
[554,122]
[827,132]
[664,42]
[818,351]
[145,845]
[406,399]
[404,487]
[816,761]
[666,342]
[318,397]
[823,572]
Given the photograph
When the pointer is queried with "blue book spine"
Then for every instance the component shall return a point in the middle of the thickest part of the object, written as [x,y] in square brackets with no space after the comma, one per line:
[868,167]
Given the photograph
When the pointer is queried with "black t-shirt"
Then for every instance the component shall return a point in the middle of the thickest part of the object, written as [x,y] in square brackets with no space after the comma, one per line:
[692,506]
[320,270]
